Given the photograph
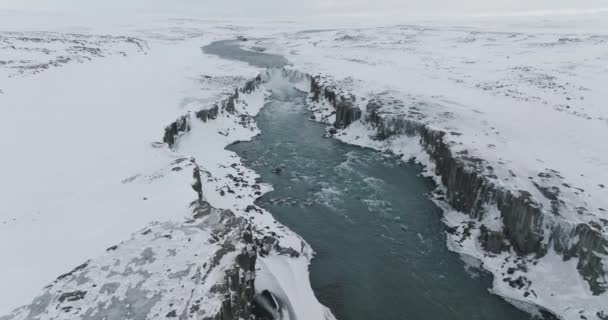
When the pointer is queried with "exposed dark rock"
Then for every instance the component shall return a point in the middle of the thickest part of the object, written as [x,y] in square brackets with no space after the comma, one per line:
[198,184]
[493,241]
[252,85]
[72,296]
[75,270]
[346,113]
[589,248]
[182,124]
[229,104]
[345,110]
[315,89]
[207,114]
[269,243]
[239,291]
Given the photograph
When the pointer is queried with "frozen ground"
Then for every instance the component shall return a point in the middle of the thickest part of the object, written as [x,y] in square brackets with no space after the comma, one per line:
[83,103]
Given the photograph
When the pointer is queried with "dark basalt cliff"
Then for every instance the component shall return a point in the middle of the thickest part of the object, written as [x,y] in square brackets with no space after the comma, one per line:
[529,228]
[183,123]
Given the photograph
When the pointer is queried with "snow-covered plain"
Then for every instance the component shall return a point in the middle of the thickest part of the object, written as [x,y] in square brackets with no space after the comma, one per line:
[83,104]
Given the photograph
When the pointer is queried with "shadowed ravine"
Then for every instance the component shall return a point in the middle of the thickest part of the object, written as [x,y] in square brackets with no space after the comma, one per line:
[380,243]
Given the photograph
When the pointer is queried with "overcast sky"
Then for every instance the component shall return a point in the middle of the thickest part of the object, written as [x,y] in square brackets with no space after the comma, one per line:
[308,7]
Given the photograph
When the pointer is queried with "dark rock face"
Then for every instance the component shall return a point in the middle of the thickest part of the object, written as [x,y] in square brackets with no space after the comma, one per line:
[182,124]
[228,105]
[528,227]
[72,296]
[198,183]
[239,290]
[252,85]
[493,241]
[207,114]
[269,243]
[590,248]
[315,89]
[346,113]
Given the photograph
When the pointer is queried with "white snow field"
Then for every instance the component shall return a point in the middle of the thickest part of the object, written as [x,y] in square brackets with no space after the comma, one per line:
[84,103]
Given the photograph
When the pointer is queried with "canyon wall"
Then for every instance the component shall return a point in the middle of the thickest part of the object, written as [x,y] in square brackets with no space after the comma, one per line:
[529,228]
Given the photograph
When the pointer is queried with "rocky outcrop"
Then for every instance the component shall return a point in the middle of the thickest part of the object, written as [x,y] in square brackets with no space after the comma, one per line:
[207,114]
[591,249]
[197,185]
[252,85]
[346,113]
[529,228]
[493,241]
[345,110]
[238,288]
[172,131]
[183,123]
[202,268]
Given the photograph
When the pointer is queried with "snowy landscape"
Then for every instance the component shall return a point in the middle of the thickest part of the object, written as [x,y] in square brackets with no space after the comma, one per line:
[115,164]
